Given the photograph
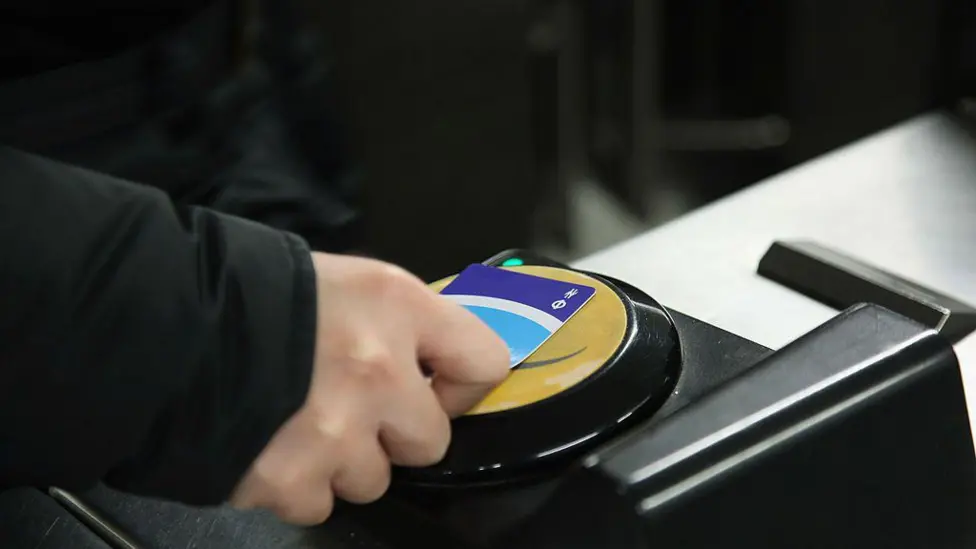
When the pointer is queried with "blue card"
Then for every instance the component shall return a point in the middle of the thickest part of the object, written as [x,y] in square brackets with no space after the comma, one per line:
[523,309]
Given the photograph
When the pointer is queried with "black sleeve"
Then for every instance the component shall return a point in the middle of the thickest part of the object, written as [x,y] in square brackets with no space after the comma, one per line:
[153,347]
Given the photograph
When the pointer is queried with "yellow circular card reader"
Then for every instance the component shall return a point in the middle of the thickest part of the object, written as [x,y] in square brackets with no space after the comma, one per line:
[574,353]
[611,365]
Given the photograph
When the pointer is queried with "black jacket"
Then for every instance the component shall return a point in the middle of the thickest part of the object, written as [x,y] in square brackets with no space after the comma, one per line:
[154,346]
[147,340]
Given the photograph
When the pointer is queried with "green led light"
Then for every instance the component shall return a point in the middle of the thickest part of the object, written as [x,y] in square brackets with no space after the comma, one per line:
[512,262]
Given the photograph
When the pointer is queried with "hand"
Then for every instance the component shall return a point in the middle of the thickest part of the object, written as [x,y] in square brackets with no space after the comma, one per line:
[369,405]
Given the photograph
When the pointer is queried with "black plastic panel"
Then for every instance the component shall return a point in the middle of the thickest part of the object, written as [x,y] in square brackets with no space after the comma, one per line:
[841,281]
[855,435]
[495,517]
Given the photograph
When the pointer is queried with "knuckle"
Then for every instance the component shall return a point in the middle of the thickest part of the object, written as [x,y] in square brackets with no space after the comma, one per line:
[391,281]
[399,286]
[379,363]
[371,366]
[368,358]
[332,431]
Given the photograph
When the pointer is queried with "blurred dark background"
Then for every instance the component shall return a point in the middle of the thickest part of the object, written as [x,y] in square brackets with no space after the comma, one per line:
[569,125]
[437,133]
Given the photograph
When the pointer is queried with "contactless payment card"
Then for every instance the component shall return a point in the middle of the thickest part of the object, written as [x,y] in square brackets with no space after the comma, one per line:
[523,309]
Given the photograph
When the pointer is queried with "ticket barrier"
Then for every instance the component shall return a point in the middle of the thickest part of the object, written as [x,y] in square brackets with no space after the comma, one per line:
[636,426]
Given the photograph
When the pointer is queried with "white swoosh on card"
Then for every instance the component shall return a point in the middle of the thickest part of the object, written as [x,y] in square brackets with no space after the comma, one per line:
[541,318]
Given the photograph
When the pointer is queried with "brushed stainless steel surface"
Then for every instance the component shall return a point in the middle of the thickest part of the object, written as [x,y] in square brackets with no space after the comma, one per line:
[904,199]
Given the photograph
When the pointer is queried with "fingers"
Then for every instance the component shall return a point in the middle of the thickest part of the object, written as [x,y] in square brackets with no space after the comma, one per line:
[291,477]
[307,504]
[365,476]
[416,431]
[369,406]
[467,357]
[312,509]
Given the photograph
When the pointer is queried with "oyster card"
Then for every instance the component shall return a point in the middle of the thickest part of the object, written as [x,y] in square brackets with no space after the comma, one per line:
[525,310]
